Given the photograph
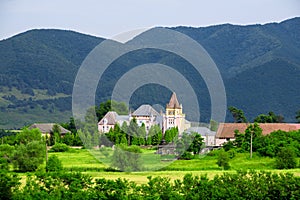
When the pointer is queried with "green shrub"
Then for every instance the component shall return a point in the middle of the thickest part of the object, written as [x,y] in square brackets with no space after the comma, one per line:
[223,160]
[286,159]
[30,156]
[53,164]
[213,153]
[127,158]
[232,153]
[186,156]
[8,183]
[59,147]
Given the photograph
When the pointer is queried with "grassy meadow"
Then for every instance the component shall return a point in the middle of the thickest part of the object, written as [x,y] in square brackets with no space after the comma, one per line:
[96,164]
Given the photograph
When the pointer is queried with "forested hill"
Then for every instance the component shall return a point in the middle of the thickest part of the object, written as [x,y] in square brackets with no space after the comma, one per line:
[37,71]
[260,65]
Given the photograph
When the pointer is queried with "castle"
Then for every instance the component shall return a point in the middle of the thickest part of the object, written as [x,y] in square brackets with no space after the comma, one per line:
[146,114]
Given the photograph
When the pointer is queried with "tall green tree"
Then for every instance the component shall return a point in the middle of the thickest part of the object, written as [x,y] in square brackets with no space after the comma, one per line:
[197,143]
[28,157]
[127,158]
[171,134]
[111,105]
[132,132]
[269,118]
[298,116]
[223,160]
[155,134]
[237,114]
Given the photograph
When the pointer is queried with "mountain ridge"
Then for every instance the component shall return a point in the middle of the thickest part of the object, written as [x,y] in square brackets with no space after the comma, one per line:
[38,69]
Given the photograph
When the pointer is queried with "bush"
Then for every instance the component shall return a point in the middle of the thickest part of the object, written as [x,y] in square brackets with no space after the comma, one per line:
[186,156]
[228,146]
[105,151]
[127,158]
[59,147]
[286,159]
[8,182]
[232,153]
[30,156]
[53,164]
[223,160]
[6,156]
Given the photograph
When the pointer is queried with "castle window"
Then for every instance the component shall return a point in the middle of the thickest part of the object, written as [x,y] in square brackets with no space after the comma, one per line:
[171,121]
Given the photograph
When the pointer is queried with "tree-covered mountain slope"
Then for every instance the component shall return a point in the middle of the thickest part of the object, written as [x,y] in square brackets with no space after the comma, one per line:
[260,66]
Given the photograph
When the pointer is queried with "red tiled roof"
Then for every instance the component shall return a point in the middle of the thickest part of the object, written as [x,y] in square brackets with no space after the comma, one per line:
[226,130]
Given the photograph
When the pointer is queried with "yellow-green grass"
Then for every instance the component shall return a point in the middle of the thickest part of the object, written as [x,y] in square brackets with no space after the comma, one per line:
[95,159]
[90,163]
[79,158]
[141,177]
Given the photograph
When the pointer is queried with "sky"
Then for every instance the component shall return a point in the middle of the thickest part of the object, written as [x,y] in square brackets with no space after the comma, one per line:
[107,18]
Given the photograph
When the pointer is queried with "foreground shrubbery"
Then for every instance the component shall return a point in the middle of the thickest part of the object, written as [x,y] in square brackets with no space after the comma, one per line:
[240,185]
[59,147]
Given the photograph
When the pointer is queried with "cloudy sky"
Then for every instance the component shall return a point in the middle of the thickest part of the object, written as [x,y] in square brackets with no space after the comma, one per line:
[107,18]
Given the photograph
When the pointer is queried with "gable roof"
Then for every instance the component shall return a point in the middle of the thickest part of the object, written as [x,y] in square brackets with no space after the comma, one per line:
[47,128]
[173,103]
[112,118]
[145,110]
[226,130]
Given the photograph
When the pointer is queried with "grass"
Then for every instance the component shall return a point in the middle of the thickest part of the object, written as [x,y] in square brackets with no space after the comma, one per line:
[92,163]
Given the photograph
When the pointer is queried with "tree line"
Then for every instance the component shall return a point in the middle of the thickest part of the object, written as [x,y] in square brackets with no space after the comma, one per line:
[65,185]
[239,116]
[284,146]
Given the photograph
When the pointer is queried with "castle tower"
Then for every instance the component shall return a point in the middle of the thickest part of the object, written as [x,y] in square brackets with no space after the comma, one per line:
[174,116]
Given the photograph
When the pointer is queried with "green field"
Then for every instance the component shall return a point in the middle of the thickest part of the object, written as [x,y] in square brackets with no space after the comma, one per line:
[92,163]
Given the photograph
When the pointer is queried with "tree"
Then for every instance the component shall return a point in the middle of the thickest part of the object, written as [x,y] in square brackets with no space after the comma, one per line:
[8,183]
[298,116]
[53,164]
[127,158]
[286,159]
[25,136]
[155,134]
[111,105]
[197,144]
[252,131]
[28,157]
[238,115]
[6,156]
[132,132]
[171,134]
[213,125]
[223,160]
[183,144]
[270,118]
[68,139]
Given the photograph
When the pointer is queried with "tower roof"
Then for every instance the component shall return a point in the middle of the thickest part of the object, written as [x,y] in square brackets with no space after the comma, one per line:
[173,103]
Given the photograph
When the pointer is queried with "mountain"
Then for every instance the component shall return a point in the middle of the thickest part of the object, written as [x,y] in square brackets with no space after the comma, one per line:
[260,66]
[37,71]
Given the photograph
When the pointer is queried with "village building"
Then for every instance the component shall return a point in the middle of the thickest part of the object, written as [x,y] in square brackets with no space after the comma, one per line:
[209,137]
[146,114]
[47,128]
[110,120]
[174,117]
[226,131]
